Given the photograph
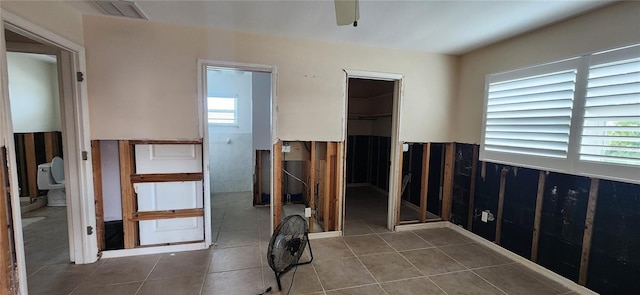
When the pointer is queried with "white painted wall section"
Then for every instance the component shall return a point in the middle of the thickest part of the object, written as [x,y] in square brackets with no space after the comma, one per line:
[33,91]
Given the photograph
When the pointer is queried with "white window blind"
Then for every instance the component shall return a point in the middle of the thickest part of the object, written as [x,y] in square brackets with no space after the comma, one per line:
[579,116]
[222,110]
[611,128]
[531,115]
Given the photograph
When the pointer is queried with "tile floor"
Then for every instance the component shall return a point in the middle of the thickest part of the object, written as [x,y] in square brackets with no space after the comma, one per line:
[434,261]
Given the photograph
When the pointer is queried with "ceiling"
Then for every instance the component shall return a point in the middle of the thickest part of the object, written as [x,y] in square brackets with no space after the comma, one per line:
[448,27]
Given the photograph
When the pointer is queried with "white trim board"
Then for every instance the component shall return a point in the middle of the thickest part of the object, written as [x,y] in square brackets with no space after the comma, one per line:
[326,234]
[153,250]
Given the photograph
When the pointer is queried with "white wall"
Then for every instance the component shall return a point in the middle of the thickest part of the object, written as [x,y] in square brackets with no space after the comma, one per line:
[54,16]
[141,72]
[231,147]
[609,27]
[261,90]
[33,91]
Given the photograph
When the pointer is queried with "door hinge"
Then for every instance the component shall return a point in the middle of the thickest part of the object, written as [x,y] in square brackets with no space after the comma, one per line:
[89,230]
[85,155]
[79,76]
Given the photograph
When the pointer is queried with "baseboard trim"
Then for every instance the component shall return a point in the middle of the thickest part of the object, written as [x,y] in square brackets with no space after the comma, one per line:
[417,226]
[526,262]
[326,234]
[153,250]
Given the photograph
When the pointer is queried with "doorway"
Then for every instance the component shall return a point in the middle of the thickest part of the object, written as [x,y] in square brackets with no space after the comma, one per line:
[37,130]
[73,136]
[371,160]
[237,108]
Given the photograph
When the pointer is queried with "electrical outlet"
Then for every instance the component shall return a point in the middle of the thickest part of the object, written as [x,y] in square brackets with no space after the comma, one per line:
[307,212]
[286,148]
[487,216]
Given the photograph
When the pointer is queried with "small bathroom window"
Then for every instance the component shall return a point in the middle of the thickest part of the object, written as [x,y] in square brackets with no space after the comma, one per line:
[223,110]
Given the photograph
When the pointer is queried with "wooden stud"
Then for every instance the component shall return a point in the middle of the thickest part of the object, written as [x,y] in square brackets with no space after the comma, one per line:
[424,181]
[257,187]
[447,190]
[312,185]
[50,146]
[127,194]
[277,183]
[503,181]
[399,188]
[168,214]
[538,216]
[32,166]
[97,192]
[6,259]
[472,186]
[337,177]
[321,191]
[588,231]
[327,188]
[168,177]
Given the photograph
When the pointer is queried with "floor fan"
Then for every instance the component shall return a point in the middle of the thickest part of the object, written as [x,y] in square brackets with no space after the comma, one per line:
[287,244]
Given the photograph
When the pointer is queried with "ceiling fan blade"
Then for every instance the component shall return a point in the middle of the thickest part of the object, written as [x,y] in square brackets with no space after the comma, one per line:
[347,11]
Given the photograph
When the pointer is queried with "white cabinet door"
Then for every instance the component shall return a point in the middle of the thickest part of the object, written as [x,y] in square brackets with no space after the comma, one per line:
[151,159]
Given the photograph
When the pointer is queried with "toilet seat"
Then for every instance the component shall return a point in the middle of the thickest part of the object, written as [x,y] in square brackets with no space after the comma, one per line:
[57,170]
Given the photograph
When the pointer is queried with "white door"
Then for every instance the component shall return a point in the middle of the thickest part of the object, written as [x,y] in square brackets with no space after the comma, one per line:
[157,196]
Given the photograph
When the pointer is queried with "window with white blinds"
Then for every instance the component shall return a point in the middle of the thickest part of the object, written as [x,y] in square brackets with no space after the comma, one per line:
[579,116]
[611,128]
[531,115]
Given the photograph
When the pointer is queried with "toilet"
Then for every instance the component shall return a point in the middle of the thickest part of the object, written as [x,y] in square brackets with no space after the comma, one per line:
[51,178]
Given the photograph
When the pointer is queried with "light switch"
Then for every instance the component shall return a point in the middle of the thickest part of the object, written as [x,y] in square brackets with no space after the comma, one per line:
[307,212]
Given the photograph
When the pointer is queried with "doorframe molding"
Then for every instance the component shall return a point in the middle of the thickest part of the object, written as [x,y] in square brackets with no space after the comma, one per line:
[396,143]
[203,127]
[75,113]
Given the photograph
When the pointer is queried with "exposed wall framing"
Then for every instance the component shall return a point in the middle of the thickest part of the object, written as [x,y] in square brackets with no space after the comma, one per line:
[128,177]
[6,257]
[447,194]
[33,149]
[97,192]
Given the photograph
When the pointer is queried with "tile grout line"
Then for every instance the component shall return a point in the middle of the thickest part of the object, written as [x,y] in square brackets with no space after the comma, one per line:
[206,272]
[469,269]
[365,267]
[82,281]
[420,271]
[149,274]
[318,277]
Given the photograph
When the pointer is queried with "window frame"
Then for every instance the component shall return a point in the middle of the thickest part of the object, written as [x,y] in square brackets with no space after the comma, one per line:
[234,112]
[572,164]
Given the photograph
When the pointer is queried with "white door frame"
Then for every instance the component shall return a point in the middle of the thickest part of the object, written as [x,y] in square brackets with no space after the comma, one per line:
[78,172]
[396,144]
[203,64]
